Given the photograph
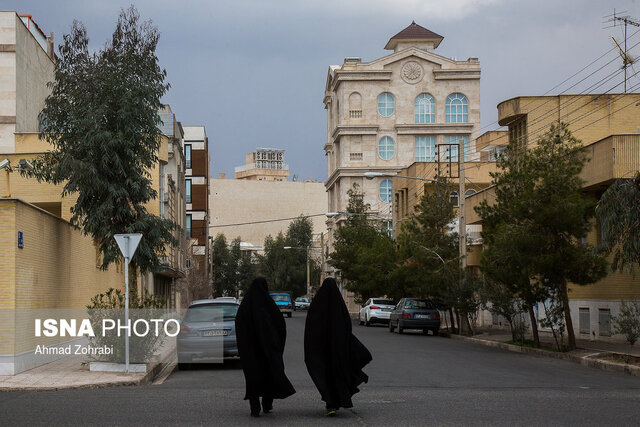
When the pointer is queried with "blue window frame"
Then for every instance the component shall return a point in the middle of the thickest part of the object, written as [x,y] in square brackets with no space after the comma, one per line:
[425,149]
[456,108]
[188,226]
[425,108]
[187,184]
[386,148]
[187,155]
[385,190]
[386,104]
[455,139]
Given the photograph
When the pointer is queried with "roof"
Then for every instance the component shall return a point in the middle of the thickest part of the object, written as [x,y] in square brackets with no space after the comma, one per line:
[414,32]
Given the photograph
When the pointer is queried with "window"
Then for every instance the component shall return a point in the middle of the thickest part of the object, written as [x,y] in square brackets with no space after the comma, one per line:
[425,109]
[187,184]
[386,148]
[188,226]
[454,198]
[425,149]
[455,139]
[584,320]
[469,193]
[385,190]
[386,104]
[187,155]
[456,108]
[355,106]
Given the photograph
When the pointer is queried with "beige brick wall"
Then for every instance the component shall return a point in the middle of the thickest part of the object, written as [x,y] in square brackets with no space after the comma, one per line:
[55,269]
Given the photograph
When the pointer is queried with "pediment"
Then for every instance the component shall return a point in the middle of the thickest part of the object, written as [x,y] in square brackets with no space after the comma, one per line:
[420,55]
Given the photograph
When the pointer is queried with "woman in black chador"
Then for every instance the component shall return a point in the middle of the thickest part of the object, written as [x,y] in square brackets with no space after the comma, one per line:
[261,333]
[334,357]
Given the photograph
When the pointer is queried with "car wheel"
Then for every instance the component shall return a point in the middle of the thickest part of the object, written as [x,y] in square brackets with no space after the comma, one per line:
[366,321]
[390,326]
[425,332]
[184,366]
[435,332]
[360,321]
[288,314]
[400,330]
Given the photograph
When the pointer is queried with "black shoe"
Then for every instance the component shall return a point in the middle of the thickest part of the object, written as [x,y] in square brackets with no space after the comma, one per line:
[331,411]
[255,407]
[267,405]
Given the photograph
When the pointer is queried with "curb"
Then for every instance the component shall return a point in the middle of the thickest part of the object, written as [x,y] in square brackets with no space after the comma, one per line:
[147,378]
[587,360]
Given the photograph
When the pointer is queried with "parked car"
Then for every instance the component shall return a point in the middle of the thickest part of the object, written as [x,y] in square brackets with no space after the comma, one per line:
[228,299]
[283,301]
[207,332]
[415,313]
[302,303]
[376,310]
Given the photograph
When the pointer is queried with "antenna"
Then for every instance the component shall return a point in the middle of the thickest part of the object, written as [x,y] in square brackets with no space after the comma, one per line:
[624,54]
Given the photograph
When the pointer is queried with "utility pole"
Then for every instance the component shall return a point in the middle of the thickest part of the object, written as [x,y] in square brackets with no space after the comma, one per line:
[626,59]
[308,272]
[462,221]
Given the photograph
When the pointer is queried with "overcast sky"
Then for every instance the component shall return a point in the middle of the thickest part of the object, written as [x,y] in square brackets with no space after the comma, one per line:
[253,72]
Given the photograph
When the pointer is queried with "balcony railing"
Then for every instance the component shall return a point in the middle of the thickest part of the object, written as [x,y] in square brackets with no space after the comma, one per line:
[272,166]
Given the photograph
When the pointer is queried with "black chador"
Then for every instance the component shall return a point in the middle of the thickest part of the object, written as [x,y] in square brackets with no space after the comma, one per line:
[261,333]
[334,357]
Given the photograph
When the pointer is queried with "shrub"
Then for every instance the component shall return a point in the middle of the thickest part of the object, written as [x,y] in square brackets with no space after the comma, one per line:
[628,322]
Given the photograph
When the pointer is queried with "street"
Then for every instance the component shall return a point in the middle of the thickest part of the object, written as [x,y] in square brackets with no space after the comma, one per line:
[414,380]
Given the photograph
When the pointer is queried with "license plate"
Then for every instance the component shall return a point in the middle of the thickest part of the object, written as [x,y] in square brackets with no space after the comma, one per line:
[386,309]
[423,316]
[215,333]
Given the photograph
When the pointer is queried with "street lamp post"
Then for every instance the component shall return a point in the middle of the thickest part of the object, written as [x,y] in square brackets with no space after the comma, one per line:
[308,249]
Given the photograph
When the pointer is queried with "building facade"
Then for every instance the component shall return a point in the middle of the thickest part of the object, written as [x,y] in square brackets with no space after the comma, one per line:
[609,127]
[382,116]
[264,164]
[253,210]
[196,151]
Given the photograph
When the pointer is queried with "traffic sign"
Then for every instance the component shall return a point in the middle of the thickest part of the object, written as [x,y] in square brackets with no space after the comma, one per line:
[128,243]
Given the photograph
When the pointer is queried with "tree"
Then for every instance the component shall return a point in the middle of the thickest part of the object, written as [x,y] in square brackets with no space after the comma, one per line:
[363,252]
[539,197]
[219,261]
[429,250]
[619,213]
[286,269]
[101,120]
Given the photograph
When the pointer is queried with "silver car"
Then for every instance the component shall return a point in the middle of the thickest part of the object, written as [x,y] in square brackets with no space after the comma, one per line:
[207,332]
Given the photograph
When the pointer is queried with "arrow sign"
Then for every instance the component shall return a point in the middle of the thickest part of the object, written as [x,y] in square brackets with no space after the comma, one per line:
[128,243]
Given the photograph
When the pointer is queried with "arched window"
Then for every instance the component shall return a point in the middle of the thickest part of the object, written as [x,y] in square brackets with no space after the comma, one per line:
[386,104]
[385,190]
[425,108]
[456,108]
[355,106]
[454,198]
[470,192]
[386,148]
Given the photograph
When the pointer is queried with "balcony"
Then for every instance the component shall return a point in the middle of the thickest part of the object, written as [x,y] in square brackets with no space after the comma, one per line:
[613,157]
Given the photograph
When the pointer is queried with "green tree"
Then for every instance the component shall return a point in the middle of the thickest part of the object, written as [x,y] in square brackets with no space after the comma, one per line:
[539,194]
[219,261]
[101,120]
[363,252]
[286,269]
[429,248]
[619,213]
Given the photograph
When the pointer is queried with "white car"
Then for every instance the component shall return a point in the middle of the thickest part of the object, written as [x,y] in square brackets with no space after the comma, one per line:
[376,310]
[302,303]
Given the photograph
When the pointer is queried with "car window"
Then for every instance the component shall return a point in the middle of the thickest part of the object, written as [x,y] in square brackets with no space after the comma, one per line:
[399,306]
[384,301]
[281,298]
[418,304]
[210,312]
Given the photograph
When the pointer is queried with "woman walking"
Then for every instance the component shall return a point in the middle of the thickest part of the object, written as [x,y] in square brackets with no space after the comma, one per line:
[261,334]
[334,357]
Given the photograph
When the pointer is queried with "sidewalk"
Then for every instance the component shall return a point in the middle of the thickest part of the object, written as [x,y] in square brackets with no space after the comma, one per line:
[70,372]
[596,354]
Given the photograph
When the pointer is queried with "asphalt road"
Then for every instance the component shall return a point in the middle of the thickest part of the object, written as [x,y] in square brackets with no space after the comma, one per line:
[414,380]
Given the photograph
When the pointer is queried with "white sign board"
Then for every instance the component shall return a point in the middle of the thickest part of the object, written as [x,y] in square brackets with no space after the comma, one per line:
[128,243]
